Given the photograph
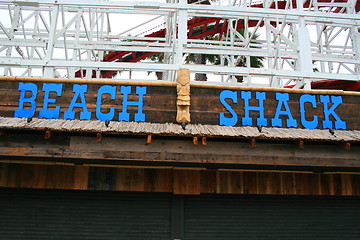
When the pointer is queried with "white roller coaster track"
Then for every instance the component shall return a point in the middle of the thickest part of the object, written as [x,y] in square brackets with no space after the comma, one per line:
[318,40]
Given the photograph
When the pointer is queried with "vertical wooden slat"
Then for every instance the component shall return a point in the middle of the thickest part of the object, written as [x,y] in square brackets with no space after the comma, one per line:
[275,183]
[325,188]
[307,184]
[237,183]
[302,183]
[137,179]
[149,180]
[60,177]
[27,176]
[250,182]
[81,177]
[222,182]
[13,178]
[40,176]
[186,182]
[4,171]
[346,185]
[337,184]
[288,183]
[263,183]
[208,181]
[102,178]
[66,179]
[164,180]
[331,184]
[122,179]
[355,178]
[313,184]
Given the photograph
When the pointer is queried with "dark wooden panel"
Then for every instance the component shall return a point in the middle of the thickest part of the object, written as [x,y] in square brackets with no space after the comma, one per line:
[81,177]
[288,183]
[250,182]
[208,181]
[101,178]
[164,182]
[178,181]
[187,182]
[159,102]
[208,111]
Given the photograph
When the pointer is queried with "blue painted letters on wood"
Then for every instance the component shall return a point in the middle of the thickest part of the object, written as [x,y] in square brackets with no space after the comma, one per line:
[45,112]
[247,120]
[307,120]
[283,99]
[228,121]
[111,90]
[23,88]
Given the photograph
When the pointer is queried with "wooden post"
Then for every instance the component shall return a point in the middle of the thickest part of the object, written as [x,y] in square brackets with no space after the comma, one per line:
[48,134]
[203,140]
[347,146]
[149,139]
[301,144]
[99,136]
[183,96]
[253,142]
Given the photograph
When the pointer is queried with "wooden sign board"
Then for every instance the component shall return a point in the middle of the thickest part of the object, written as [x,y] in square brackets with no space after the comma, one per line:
[157,103]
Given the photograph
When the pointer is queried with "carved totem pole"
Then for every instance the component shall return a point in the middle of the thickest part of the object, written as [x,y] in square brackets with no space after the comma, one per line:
[183,96]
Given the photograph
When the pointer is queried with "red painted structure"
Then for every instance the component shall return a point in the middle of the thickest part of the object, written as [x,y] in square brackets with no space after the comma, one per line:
[200,27]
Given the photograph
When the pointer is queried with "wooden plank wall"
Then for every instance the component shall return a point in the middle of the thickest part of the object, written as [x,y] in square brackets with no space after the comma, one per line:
[177,181]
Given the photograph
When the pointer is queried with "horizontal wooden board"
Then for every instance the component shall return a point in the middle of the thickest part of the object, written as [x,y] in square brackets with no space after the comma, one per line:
[179,152]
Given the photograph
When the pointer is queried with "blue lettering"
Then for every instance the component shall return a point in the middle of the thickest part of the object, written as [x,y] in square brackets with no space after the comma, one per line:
[79,91]
[124,115]
[45,112]
[336,100]
[23,88]
[310,99]
[283,99]
[246,120]
[228,121]
[105,90]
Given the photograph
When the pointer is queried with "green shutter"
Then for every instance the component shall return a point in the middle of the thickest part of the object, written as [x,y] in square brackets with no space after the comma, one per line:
[239,217]
[41,214]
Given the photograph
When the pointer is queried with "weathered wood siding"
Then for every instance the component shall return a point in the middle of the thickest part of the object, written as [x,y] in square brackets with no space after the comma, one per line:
[177,181]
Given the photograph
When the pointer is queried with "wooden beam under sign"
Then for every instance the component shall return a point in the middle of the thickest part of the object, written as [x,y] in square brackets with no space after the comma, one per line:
[171,151]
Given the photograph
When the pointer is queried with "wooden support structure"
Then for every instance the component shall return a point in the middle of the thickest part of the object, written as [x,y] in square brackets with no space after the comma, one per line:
[116,150]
